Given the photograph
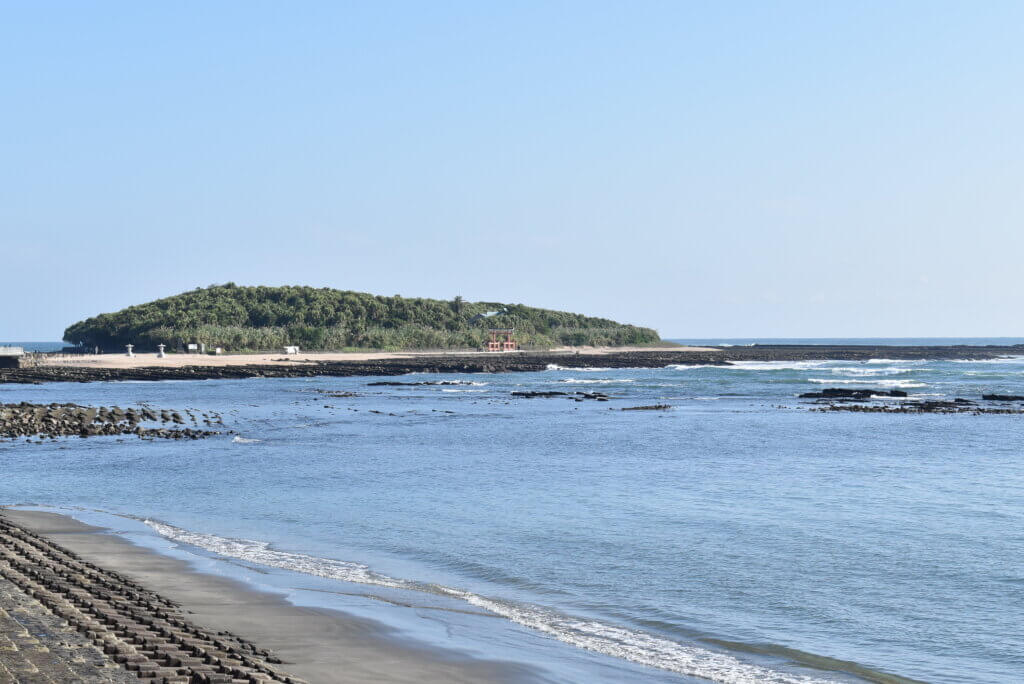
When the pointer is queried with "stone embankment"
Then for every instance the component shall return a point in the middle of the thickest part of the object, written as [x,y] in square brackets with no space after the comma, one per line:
[137,629]
[71,420]
[38,647]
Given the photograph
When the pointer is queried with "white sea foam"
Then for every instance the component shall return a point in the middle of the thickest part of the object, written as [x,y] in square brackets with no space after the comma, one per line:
[242,440]
[600,381]
[870,368]
[774,365]
[680,366]
[585,369]
[900,384]
[902,362]
[753,365]
[993,373]
[895,383]
[463,390]
[638,647]
[870,372]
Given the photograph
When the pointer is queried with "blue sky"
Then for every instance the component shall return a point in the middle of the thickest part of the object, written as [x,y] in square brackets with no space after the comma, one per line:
[708,169]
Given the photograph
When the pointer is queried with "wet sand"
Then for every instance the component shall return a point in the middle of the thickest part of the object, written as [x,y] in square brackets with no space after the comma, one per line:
[316,645]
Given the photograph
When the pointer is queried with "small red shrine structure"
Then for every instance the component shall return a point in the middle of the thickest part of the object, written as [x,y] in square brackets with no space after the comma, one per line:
[496,344]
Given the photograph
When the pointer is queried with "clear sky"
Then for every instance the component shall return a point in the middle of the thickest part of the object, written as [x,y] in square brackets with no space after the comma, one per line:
[706,168]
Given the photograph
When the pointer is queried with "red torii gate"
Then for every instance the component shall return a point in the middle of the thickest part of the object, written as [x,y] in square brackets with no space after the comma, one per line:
[496,345]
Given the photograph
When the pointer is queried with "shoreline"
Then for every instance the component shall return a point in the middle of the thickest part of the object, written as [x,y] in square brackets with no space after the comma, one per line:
[304,643]
[118,367]
[312,644]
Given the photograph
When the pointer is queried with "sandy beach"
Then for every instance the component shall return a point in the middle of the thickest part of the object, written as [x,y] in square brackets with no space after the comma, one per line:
[315,645]
[42,368]
[149,360]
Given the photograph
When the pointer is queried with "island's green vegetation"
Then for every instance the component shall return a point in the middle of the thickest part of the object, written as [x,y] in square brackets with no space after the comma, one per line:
[261,318]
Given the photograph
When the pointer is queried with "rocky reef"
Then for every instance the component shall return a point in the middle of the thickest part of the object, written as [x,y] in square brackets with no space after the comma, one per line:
[576,396]
[855,394]
[865,401]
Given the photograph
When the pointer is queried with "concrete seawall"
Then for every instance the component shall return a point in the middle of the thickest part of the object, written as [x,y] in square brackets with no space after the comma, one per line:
[10,357]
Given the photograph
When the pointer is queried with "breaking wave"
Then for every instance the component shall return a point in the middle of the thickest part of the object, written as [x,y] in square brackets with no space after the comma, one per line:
[870,372]
[600,381]
[635,646]
[897,384]
[683,366]
[774,365]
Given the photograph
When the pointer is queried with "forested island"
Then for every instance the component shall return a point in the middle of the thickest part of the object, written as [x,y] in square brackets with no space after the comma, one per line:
[239,318]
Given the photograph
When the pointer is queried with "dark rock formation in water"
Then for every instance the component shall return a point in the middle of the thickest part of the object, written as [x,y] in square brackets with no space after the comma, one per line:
[857,394]
[860,401]
[955,406]
[70,420]
[578,396]
[653,407]
[1002,397]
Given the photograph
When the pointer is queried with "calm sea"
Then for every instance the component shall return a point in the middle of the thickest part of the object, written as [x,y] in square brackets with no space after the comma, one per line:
[736,537]
[36,346]
[874,341]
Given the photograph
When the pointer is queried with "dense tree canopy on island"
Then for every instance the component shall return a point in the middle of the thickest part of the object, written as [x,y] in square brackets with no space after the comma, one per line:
[260,318]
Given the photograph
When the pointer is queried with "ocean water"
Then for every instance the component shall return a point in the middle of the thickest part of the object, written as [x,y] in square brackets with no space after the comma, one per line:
[885,341]
[36,346]
[736,537]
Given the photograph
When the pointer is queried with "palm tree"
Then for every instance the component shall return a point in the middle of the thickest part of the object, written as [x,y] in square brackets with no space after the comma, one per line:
[457,303]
